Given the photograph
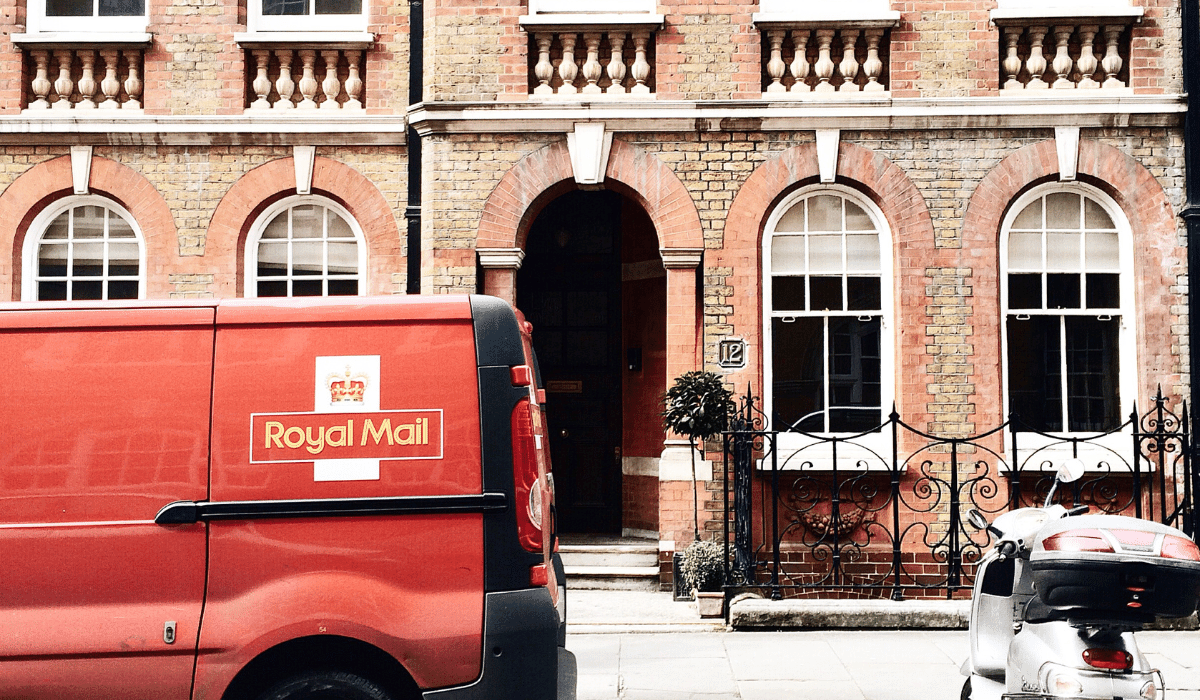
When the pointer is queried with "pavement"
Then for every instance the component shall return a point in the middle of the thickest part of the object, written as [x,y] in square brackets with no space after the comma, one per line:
[635,645]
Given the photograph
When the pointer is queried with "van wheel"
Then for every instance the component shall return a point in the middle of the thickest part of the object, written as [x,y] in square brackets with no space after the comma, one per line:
[966,691]
[326,685]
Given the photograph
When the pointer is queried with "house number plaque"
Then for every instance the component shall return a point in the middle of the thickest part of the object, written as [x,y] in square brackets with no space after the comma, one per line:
[731,353]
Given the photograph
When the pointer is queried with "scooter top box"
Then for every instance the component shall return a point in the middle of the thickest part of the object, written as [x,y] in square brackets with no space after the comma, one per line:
[1106,565]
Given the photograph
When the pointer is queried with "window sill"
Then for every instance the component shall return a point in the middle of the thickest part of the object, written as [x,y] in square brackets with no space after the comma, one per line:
[828,18]
[326,40]
[52,40]
[1066,15]
[564,20]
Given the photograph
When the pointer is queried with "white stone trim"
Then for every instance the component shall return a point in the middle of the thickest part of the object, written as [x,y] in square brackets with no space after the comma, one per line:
[325,40]
[676,463]
[1066,142]
[594,21]
[681,258]
[81,168]
[51,40]
[589,145]
[828,141]
[640,466]
[500,258]
[303,157]
[1081,12]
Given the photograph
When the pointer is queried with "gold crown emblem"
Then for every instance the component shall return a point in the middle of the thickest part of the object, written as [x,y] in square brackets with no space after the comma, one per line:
[348,387]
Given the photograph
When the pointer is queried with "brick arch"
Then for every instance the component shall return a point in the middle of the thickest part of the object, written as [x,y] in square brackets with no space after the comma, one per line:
[271,181]
[907,217]
[50,181]
[1157,257]
[510,209]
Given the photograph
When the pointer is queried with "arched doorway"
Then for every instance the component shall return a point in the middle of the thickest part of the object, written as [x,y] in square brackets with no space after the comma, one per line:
[594,288]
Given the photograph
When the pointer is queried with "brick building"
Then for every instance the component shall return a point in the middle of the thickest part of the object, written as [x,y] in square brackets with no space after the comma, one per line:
[956,208]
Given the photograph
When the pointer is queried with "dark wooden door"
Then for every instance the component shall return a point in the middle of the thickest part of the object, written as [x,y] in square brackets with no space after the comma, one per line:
[570,289]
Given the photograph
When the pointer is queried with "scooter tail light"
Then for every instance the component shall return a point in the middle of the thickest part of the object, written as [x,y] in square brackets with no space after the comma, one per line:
[1077,541]
[1108,659]
[1176,547]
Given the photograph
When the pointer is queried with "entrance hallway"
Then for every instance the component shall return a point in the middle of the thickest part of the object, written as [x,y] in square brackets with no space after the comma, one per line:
[644,646]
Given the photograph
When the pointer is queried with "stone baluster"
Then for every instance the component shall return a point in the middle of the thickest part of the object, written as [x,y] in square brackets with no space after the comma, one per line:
[354,83]
[1087,57]
[1063,65]
[262,81]
[1037,62]
[284,85]
[592,70]
[825,64]
[849,65]
[776,66]
[1012,62]
[133,82]
[308,79]
[87,81]
[1112,58]
[616,63]
[800,67]
[873,67]
[641,67]
[64,85]
[41,81]
[544,70]
[331,85]
[567,70]
[110,86]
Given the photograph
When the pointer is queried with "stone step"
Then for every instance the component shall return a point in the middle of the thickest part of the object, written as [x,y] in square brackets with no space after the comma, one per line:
[623,578]
[608,555]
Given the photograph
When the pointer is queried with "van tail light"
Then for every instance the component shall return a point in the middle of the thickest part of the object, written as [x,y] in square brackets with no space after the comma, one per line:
[526,445]
[1077,541]
[1108,659]
[538,575]
[1176,547]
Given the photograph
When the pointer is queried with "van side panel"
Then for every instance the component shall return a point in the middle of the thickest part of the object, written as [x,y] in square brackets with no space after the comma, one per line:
[409,583]
[107,421]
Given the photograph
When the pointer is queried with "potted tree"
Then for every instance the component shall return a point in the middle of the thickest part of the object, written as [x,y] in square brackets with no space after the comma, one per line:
[703,571]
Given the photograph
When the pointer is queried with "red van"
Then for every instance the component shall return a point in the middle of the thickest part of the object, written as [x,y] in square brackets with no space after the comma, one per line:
[255,499]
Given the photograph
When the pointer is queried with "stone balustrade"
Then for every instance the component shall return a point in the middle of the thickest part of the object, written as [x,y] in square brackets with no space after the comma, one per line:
[83,78]
[305,78]
[591,62]
[825,61]
[1064,56]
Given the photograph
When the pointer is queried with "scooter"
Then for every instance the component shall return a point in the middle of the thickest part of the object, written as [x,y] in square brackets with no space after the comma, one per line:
[1059,596]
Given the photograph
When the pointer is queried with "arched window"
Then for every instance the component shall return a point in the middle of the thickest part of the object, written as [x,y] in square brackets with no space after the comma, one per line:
[304,247]
[1068,331]
[828,303]
[84,248]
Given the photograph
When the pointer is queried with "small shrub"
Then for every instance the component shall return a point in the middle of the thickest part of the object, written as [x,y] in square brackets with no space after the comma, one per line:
[703,566]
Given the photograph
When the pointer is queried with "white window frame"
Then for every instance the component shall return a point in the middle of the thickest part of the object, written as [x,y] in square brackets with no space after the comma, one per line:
[250,266]
[1127,376]
[40,23]
[37,229]
[796,450]
[256,21]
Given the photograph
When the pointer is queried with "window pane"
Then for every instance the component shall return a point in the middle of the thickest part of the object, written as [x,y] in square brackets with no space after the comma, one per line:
[122,8]
[57,230]
[89,222]
[1030,217]
[1034,373]
[272,289]
[284,7]
[343,288]
[68,8]
[119,228]
[857,219]
[863,294]
[787,293]
[308,258]
[339,7]
[787,254]
[1103,252]
[338,228]
[825,253]
[1063,251]
[1094,215]
[792,220]
[1062,291]
[52,291]
[91,290]
[343,257]
[307,288]
[797,364]
[87,259]
[1092,364]
[122,253]
[122,289]
[306,221]
[854,375]
[1103,291]
[1025,251]
[1062,210]
[278,228]
[1024,291]
[52,260]
[272,259]
[824,213]
[826,293]
[862,252]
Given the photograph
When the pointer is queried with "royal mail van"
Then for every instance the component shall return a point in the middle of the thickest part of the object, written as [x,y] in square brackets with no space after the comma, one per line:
[254,499]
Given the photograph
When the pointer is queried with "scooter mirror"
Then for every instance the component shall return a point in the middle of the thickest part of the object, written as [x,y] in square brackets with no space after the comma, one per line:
[1070,470]
[976,520]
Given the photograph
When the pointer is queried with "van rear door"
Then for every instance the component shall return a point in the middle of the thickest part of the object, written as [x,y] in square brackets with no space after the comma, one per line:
[105,421]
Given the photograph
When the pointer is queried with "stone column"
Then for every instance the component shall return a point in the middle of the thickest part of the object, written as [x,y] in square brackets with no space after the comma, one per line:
[500,267]
[682,352]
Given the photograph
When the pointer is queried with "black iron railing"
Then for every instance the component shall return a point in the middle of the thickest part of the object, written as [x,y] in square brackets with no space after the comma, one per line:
[881,513]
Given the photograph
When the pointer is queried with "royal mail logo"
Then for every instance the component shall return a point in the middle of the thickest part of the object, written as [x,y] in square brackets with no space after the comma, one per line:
[347,387]
[309,437]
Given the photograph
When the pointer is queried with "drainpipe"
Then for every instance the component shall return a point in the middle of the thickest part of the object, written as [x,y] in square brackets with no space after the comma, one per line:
[416,68]
[1189,11]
